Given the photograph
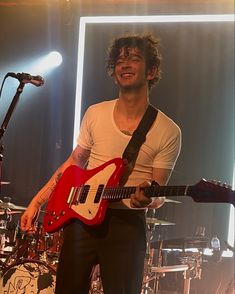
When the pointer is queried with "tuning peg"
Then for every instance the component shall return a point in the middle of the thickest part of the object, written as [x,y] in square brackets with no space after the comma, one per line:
[227,186]
[216,182]
[219,183]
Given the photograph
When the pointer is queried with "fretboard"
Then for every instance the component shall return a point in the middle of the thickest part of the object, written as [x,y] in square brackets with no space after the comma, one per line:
[116,193]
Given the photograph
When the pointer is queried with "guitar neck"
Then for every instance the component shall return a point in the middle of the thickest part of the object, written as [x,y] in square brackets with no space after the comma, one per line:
[117,193]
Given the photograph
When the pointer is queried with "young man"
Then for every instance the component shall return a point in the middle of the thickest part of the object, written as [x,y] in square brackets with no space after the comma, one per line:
[118,244]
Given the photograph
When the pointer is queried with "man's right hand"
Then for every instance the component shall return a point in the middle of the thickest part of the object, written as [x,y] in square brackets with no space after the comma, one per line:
[29,217]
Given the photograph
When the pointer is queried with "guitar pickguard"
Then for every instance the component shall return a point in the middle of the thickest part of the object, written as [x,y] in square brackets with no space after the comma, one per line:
[89,209]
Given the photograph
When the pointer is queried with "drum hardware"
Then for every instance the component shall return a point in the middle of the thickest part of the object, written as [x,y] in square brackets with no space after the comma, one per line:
[9,212]
[4,183]
[158,272]
[188,262]
[184,243]
[193,260]
[20,251]
[96,283]
[36,245]
[7,238]
[162,270]
[151,279]
[155,277]
[155,221]
[168,200]
[10,206]
[3,231]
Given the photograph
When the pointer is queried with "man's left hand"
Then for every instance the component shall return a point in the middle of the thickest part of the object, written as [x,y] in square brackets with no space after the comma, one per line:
[139,200]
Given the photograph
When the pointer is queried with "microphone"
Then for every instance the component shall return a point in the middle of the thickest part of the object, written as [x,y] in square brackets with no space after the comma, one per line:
[27,78]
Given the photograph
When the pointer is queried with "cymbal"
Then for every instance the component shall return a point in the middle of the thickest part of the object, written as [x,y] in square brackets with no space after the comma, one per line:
[171,200]
[11,206]
[155,221]
[4,183]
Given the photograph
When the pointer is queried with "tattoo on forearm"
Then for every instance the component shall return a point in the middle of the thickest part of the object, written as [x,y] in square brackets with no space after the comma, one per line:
[44,196]
[52,186]
[58,177]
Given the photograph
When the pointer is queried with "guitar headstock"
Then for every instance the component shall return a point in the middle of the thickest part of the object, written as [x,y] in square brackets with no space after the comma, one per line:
[214,191]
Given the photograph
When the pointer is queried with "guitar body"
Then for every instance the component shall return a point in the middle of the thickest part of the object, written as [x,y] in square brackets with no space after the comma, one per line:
[78,195]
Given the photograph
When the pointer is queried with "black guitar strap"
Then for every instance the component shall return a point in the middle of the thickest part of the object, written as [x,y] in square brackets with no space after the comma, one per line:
[138,138]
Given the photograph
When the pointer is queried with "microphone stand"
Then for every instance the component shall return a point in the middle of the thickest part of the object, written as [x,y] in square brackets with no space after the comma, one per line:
[6,121]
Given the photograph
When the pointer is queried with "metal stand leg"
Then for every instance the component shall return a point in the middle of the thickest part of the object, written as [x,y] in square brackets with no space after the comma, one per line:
[187,285]
[156,283]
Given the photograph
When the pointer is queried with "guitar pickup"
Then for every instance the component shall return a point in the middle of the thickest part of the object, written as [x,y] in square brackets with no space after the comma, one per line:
[99,193]
[84,193]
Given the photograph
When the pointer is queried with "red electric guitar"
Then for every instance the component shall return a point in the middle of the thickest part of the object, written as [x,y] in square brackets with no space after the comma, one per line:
[85,194]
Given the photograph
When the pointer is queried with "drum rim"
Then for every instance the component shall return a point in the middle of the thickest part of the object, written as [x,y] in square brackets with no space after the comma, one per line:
[27,260]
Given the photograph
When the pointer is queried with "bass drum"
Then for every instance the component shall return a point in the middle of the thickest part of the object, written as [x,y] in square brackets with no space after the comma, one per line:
[28,276]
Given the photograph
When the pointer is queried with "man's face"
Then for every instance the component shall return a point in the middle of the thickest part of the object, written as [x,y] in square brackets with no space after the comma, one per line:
[130,69]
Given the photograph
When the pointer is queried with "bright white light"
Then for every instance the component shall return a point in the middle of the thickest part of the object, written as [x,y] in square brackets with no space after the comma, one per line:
[47,62]
[158,18]
[128,19]
[55,58]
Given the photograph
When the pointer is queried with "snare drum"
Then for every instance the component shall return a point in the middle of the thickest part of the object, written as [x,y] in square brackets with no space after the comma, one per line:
[28,276]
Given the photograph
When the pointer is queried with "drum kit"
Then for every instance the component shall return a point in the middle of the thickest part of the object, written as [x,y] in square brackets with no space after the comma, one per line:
[181,257]
[172,262]
[28,262]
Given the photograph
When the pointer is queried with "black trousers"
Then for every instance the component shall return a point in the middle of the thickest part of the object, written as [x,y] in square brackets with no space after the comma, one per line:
[118,245]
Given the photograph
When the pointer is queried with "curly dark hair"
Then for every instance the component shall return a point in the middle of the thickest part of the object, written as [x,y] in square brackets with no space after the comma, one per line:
[146,43]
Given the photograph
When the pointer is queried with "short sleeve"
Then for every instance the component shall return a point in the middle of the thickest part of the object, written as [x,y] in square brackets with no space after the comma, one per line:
[85,135]
[171,146]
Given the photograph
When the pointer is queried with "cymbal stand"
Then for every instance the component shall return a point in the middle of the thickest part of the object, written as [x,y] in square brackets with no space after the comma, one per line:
[149,236]
[157,276]
[148,276]
[194,261]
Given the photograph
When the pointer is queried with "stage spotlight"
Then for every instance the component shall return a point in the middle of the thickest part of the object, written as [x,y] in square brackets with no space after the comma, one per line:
[48,62]
[55,58]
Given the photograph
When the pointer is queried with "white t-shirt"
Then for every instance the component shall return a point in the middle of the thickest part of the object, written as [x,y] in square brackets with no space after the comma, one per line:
[101,136]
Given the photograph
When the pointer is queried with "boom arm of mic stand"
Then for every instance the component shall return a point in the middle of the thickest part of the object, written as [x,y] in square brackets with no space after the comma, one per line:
[6,121]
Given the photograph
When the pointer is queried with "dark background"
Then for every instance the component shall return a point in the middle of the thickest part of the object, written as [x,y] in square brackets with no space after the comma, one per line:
[197,91]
